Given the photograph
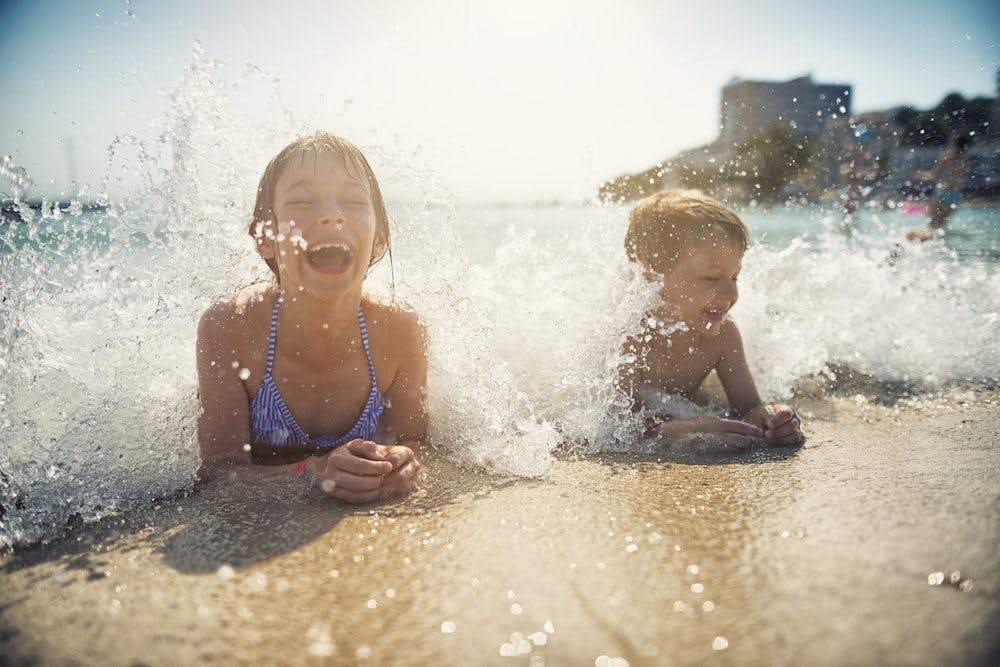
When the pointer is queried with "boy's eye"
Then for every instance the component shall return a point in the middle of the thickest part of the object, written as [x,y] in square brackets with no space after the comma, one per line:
[711,278]
[300,202]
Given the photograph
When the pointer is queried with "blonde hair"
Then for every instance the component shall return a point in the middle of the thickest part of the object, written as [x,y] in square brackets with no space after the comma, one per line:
[662,226]
[263,210]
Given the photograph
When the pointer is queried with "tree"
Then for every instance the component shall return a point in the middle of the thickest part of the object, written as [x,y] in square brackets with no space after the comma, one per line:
[765,163]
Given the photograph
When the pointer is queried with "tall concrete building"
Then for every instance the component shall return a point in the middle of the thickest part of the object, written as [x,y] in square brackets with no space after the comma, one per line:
[747,107]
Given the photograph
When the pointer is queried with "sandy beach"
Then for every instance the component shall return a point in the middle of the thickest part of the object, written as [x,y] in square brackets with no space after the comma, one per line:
[819,556]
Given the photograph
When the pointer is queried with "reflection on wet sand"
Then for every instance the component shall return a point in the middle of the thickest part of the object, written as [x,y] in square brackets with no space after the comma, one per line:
[819,555]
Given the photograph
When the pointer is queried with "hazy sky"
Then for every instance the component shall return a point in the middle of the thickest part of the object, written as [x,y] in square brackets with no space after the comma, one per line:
[512,100]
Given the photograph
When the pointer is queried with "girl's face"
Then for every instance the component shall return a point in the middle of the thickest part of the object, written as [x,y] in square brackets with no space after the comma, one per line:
[701,288]
[324,237]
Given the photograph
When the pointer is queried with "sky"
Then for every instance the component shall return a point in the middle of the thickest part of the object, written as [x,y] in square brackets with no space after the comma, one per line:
[505,101]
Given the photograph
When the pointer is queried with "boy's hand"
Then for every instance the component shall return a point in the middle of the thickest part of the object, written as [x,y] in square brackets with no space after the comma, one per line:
[780,423]
[678,427]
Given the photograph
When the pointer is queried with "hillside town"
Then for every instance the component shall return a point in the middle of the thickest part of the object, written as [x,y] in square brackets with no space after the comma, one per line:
[799,140]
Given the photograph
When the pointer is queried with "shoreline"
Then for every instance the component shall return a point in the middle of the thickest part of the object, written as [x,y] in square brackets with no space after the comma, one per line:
[820,555]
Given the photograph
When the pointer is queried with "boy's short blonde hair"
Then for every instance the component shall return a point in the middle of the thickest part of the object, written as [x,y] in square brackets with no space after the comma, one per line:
[662,226]
[354,160]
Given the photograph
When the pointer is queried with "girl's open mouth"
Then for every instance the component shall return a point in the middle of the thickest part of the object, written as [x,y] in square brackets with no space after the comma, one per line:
[330,257]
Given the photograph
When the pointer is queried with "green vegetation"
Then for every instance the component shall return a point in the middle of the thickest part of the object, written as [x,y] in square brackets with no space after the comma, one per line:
[934,126]
[767,162]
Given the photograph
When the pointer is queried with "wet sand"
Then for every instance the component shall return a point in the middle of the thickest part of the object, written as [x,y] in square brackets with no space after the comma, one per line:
[816,556]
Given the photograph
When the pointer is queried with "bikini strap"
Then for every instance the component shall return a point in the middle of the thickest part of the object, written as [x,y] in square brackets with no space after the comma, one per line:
[364,341]
[272,336]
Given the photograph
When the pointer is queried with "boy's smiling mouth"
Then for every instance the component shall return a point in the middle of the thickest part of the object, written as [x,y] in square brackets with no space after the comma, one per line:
[330,257]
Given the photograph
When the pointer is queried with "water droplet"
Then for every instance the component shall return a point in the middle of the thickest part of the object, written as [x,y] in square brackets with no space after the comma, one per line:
[955,577]
[678,606]
[693,569]
[508,650]
[548,627]
[720,644]
[697,588]
[708,606]
[935,578]
[448,627]
[244,373]
[516,609]
[225,572]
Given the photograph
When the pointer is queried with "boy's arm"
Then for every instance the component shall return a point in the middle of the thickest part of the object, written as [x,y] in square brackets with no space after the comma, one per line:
[734,374]
[224,424]
[779,423]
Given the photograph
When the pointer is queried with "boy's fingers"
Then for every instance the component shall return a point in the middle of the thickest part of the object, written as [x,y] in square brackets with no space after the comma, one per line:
[742,428]
[779,415]
[785,430]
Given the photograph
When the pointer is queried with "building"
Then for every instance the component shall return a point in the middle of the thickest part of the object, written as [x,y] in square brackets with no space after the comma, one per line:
[748,107]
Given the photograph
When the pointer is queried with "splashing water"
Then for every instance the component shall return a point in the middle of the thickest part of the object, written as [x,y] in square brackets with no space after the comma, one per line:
[526,310]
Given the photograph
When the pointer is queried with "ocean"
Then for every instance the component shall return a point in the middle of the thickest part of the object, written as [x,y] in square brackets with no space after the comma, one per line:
[526,309]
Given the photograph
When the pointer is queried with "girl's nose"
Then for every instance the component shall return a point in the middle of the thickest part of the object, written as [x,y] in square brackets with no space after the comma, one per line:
[332,212]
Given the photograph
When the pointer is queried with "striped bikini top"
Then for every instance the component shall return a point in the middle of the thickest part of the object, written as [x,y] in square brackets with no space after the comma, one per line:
[272,423]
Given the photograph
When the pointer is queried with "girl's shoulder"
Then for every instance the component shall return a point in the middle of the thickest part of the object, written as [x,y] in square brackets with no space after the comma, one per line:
[393,324]
[243,313]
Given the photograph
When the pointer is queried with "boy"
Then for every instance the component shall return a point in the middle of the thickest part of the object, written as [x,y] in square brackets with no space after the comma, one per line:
[694,245]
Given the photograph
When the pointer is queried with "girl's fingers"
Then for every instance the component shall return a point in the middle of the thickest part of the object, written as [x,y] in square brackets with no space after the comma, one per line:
[359,465]
[350,482]
[367,449]
[400,478]
[355,496]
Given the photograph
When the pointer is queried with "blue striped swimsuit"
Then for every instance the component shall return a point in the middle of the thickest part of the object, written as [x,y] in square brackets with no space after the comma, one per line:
[272,423]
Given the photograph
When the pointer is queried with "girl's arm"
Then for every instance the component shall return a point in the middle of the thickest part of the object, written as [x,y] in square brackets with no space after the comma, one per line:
[406,414]
[224,425]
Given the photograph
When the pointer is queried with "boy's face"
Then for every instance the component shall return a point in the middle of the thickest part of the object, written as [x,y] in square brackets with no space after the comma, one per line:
[701,288]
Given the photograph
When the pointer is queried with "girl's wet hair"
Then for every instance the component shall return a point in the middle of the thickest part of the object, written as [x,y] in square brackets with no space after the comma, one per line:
[355,163]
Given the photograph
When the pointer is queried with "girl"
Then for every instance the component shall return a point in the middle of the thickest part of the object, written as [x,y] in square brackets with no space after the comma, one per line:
[307,369]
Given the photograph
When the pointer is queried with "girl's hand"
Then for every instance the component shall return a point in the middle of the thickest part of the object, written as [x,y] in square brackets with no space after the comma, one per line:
[678,427]
[405,466]
[353,472]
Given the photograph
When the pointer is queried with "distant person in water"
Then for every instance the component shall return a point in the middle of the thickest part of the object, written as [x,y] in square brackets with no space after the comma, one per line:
[948,175]
[693,246]
[306,371]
